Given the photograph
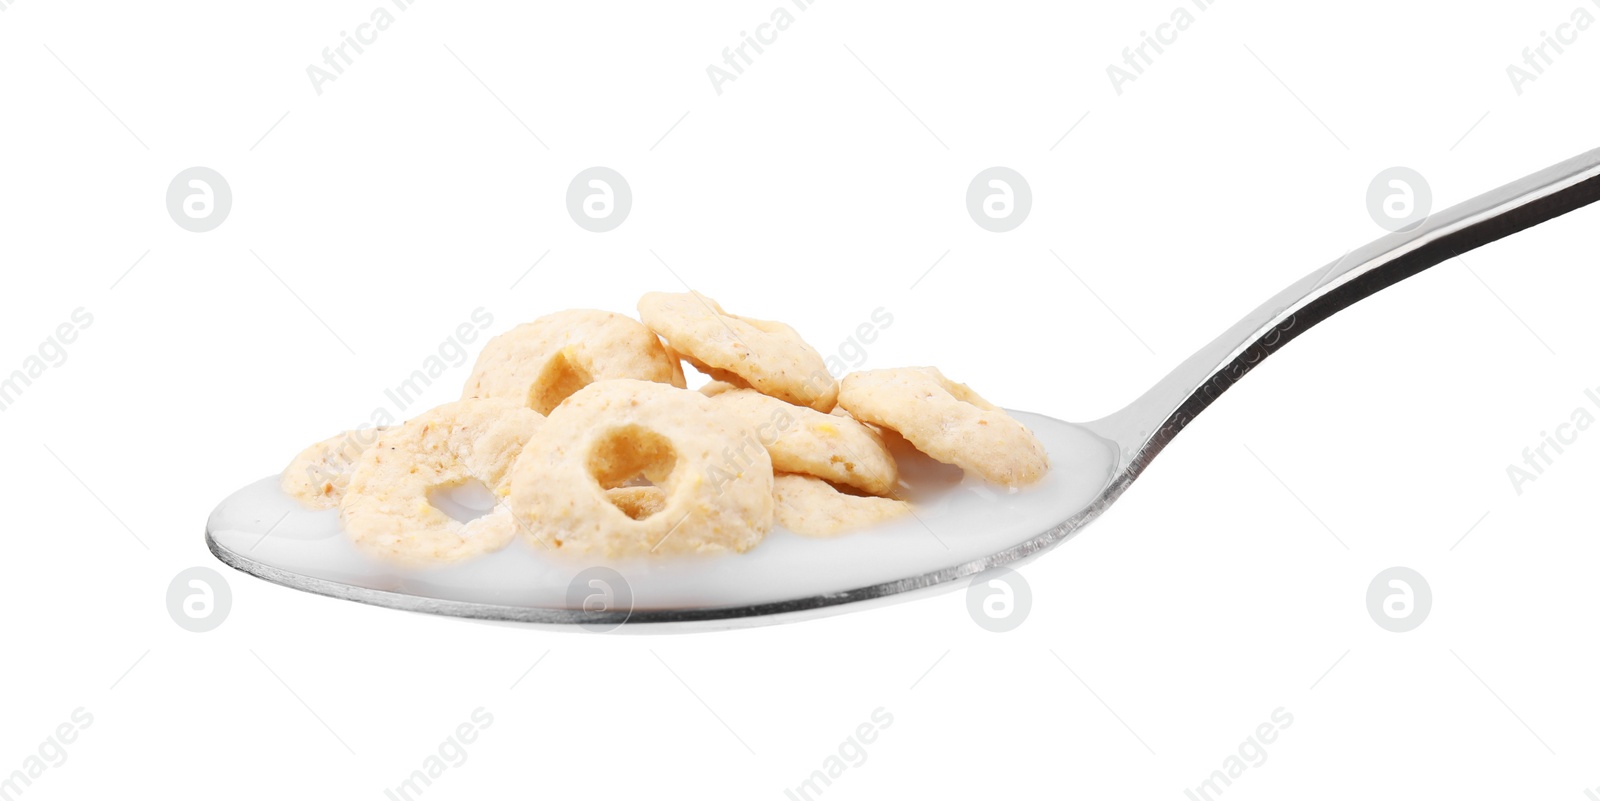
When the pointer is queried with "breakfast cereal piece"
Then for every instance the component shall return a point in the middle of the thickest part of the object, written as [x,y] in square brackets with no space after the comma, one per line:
[319,474]
[803,440]
[386,509]
[539,364]
[947,421]
[610,435]
[812,507]
[770,357]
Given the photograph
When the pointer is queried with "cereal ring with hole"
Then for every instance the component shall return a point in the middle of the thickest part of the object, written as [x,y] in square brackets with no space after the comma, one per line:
[319,474]
[770,357]
[386,508]
[812,507]
[539,364]
[613,434]
[803,440]
[947,421]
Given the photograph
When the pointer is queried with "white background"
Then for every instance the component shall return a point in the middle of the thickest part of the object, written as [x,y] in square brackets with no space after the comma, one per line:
[411,192]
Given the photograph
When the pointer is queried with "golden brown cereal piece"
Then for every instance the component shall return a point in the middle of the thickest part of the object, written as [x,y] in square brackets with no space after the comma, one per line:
[947,421]
[814,508]
[386,510]
[318,475]
[539,364]
[609,435]
[770,357]
[803,440]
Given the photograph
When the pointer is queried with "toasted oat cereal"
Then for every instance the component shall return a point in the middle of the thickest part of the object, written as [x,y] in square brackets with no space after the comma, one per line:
[612,433]
[812,507]
[770,357]
[318,475]
[540,363]
[803,440]
[386,509]
[947,421]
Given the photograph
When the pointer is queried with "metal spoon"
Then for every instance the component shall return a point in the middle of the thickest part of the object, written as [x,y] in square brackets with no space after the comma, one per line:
[1094,462]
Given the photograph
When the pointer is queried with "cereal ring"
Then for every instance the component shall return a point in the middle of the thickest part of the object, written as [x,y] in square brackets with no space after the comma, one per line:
[317,477]
[771,357]
[947,421]
[803,440]
[812,507]
[386,508]
[611,432]
[540,363]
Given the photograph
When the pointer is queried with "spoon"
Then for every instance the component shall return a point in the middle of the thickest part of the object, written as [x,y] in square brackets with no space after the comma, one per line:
[961,528]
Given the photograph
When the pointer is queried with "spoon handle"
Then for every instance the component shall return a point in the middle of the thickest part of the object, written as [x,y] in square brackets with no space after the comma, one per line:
[1145,426]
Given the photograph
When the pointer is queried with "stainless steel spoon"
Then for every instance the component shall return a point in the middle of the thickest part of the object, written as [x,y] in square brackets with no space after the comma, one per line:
[1112,451]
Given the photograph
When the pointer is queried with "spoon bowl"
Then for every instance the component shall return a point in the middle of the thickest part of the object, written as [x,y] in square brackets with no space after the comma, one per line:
[960,527]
